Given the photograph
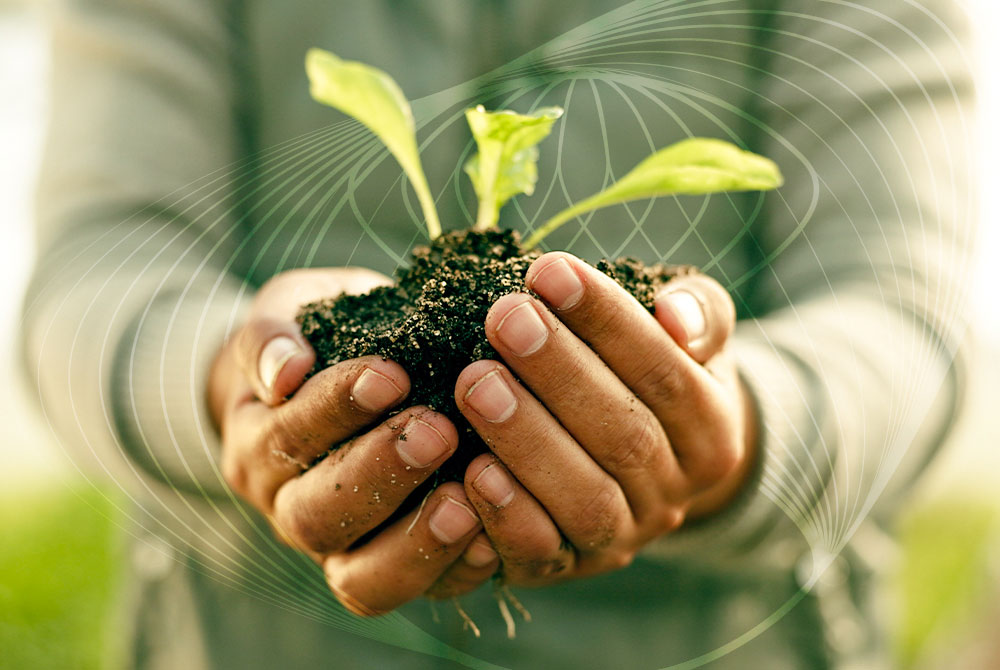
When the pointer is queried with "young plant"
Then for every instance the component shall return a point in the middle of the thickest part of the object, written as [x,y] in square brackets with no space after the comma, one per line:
[373,98]
[694,166]
[506,164]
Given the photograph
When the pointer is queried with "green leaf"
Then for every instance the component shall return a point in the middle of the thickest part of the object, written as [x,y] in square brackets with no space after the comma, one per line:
[373,98]
[695,166]
[506,164]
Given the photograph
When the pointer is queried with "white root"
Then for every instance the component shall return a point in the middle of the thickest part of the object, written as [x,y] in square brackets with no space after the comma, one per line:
[435,617]
[521,609]
[467,622]
[505,613]
[503,594]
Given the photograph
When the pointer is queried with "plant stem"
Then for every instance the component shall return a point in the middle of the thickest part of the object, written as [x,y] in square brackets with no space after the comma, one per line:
[559,219]
[427,205]
[486,217]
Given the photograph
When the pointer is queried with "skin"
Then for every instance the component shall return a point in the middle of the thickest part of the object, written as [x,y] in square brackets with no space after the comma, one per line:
[624,425]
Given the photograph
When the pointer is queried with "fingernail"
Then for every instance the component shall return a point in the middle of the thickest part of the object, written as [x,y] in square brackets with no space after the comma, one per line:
[494,485]
[420,444]
[273,357]
[452,520]
[491,398]
[559,284]
[479,554]
[374,391]
[690,312]
[522,330]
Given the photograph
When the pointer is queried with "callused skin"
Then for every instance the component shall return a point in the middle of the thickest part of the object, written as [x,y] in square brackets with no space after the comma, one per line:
[624,424]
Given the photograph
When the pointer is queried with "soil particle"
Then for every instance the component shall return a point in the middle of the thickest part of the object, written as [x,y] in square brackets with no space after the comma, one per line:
[431,320]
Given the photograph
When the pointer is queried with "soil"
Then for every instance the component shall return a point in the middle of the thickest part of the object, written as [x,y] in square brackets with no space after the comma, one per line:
[431,320]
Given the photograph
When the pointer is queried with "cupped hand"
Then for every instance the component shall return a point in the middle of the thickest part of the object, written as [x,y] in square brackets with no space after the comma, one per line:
[623,425]
[276,455]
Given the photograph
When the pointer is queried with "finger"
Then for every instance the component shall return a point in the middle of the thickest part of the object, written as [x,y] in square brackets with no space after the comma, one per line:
[274,357]
[698,313]
[333,406]
[265,447]
[478,563]
[530,546]
[362,483]
[401,563]
[270,348]
[599,411]
[687,399]
[586,503]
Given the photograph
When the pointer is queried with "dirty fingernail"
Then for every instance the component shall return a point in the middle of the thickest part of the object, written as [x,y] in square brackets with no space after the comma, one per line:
[374,391]
[689,311]
[273,357]
[522,330]
[492,398]
[494,485]
[452,520]
[420,444]
[479,554]
[558,284]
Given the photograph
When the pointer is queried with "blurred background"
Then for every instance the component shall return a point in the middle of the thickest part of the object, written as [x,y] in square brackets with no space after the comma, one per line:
[59,542]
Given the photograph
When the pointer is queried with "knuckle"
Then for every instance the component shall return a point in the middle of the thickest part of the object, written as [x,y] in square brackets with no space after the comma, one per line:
[302,525]
[595,523]
[290,523]
[279,438]
[570,374]
[634,448]
[609,323]
[664,382]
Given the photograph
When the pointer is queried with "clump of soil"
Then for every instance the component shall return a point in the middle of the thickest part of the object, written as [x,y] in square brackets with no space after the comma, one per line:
[431,320]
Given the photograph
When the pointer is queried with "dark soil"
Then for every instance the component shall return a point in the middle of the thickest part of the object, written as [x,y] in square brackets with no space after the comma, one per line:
[431,320]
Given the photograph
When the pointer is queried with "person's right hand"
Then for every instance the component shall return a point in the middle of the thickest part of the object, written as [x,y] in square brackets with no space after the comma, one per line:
[273,455]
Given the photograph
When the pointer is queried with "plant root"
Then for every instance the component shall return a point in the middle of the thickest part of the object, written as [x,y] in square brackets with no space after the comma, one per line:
[503,594]
[467,622]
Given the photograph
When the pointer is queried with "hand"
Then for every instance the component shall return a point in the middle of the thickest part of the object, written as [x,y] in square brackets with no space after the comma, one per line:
[273,455]
[626,423]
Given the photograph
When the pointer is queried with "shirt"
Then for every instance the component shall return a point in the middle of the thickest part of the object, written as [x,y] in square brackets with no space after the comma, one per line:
[186,164]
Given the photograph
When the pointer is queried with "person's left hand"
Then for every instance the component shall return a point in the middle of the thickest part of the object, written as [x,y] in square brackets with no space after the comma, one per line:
[627,423]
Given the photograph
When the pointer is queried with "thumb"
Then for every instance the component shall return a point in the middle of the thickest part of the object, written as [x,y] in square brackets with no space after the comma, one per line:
[698,314]
[270,348]
[274,357]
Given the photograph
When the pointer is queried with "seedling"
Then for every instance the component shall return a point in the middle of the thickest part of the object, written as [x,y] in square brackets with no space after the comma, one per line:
[431,320]
[506,164]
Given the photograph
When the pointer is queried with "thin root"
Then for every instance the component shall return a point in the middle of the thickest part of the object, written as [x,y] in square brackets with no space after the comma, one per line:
[419,512]
[505,613]
[503,594]
[521,609]
[435,617]
[467,622]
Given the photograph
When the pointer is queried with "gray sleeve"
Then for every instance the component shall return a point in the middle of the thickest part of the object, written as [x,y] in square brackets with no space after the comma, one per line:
[854,311]
[131,294]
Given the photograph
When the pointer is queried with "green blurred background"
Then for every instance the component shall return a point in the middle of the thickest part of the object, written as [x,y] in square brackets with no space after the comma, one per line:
[61,547]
